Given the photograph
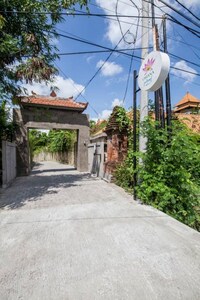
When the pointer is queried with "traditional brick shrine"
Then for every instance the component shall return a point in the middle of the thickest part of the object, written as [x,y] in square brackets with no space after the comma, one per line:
[117,144]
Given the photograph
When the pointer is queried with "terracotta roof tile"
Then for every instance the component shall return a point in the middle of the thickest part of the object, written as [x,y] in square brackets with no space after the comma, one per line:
[187,98]
[67,103]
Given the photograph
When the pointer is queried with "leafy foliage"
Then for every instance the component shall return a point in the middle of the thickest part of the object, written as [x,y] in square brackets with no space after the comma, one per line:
[7,127]
[55,141]
[98,126]
[61,140]
[170,173]
[27,29]
[37,141]
[122,118]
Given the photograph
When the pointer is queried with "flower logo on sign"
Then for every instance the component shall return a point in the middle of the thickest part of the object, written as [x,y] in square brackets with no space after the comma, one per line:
[148,65]
[148,71]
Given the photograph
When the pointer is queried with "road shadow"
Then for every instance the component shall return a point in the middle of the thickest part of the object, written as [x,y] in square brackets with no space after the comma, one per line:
[32,188]
[35,171]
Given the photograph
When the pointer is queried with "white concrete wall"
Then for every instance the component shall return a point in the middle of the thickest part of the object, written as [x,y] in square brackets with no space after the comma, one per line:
[8,163]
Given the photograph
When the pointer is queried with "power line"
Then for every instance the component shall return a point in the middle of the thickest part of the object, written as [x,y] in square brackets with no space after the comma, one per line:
[179,12]
[186,60]
[83,52]
[97,51]
[77,90]
[172,19]
[114,50]
[187,43]
[131,62]
[76,14]
[93,44]
[119,22]
[184,79]
[188,10]
[99,69]
[185,71]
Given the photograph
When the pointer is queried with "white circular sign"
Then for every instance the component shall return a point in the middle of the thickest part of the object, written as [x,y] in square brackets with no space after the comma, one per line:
[153,71]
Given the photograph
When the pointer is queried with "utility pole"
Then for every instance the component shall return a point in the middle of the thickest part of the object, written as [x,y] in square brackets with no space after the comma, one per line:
[167,82]
[144,95]
[159,106]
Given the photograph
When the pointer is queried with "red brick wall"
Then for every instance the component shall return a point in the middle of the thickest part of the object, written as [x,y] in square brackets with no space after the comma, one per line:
[117,145]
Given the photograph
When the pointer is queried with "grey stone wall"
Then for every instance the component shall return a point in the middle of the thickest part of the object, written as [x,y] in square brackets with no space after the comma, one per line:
[42,118]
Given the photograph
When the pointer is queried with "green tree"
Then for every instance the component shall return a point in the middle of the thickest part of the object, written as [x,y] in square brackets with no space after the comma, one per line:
[92,124]
[27,28]
[61,140]
[7,126]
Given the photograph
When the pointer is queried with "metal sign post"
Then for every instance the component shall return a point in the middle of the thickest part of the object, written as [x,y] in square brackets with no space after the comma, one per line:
[135,91]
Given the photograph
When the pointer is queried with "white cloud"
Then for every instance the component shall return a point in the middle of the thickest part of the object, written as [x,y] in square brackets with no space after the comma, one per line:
[89,58]
[191,3]
[125,7]
[117,102]
[67,87]
[54,41]
[182,65]
[105,114]
[129,26]
[109,68]
[94,119]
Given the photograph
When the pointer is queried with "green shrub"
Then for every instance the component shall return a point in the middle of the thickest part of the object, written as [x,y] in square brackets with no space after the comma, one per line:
[170,173]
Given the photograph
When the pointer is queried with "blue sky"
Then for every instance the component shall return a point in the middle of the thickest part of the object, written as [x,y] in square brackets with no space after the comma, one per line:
[108,87]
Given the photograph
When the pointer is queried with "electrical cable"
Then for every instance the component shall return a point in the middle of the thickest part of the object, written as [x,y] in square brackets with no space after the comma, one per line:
[180,13]
[185,71]
[99,69]
[91,44]
[186,43]
[98,51]
[186,60]
[172,19]
[188,10]
[116,11]
[77,14]
[131,62]
[67,77]
[172,74]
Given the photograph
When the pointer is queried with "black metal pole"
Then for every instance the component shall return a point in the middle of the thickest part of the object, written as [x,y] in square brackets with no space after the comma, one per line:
[134,132]
[161,107]
[167,83]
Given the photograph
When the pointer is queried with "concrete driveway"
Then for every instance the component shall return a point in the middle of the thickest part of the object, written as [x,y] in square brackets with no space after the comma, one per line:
[66,236]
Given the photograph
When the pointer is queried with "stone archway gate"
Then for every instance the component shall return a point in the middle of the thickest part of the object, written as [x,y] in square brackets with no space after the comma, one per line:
[41,112]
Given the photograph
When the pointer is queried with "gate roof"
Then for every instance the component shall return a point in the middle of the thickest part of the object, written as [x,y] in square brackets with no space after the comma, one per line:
[53,102]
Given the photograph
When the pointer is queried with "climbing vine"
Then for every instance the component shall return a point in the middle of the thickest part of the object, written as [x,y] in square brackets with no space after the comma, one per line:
[169,177]
[122,118]
[7,126]
[54,141]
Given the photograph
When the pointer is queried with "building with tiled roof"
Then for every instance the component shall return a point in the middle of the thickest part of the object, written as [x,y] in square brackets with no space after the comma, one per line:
[188,104]
[53,101]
